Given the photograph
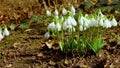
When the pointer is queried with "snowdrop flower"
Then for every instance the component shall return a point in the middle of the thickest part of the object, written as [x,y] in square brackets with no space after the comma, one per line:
[48,13]
[73,10]
[81,20]
[86,22]
[101,22]
[56,12]
[51,26]
[114,22]
[107,24]
[96,22]
[6,32]
[92,22]
[71,21]
[65,25]
[47,35]
[64,11]
[81,28]
[1,37]
[58,27]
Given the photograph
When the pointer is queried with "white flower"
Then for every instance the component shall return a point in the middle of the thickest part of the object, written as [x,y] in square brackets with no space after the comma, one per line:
[65,25]
[58,27]
[86,22]
[48,13]
[1,37]
[92,22]
[81,28]
[73,10]
[47,35]
[114,22]
[6,32]
[81,20]
[56,12]
[64,11]
[101,22]
[107,24]
[51,26]
[71,21]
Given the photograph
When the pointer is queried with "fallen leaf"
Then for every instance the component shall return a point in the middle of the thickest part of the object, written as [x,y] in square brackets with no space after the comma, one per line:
[49,44]
[40,55]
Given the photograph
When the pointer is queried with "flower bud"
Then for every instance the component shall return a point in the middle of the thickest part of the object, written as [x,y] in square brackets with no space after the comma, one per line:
[64,11]
[73,10]
[58,27]
[48,13]
[56,12]
[51,26]
[114,22]
[47,35]
[6,32]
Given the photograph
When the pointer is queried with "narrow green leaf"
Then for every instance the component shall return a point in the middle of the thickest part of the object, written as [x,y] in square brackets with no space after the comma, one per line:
[12,26]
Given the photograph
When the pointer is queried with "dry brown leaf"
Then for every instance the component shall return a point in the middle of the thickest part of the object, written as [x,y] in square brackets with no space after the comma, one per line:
[49,44]
[40,55]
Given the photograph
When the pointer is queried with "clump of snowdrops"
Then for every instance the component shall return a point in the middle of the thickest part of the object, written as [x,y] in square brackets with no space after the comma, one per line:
[78,32]
[3,31]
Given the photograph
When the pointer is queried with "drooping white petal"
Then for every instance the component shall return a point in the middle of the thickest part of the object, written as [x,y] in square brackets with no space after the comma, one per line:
[101,22]
[65,25]
[81,21]
[1,37]
[86,22]
[48,13]
[73,10]
[56,12]
[47,35]
[81,28]
[58,27]
[6,32]
[107,24]
[73,22]
[114,22]
[51,26]
[64,11]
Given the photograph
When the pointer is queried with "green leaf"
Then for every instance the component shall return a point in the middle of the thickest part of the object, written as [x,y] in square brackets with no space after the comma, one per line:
[12,26]
[118,40]
[116,2]
[61,46]
[24,25]
[101,2]
[87,5]
[96,44]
